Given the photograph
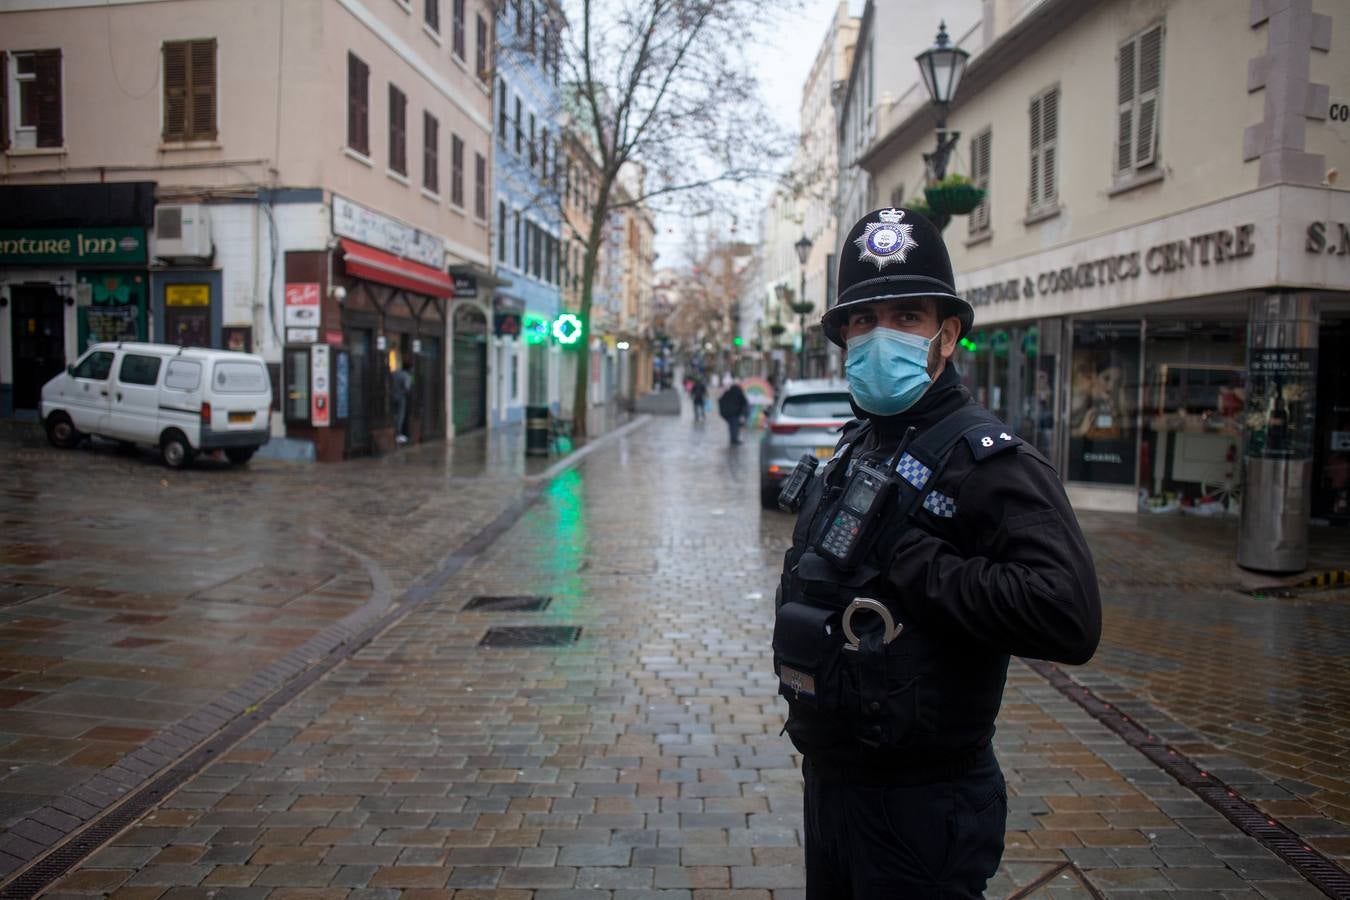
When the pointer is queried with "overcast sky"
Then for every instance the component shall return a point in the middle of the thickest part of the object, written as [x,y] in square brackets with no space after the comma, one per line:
[783,63]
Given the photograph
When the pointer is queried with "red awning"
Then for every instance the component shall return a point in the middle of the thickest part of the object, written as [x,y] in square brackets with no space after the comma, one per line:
[386,268]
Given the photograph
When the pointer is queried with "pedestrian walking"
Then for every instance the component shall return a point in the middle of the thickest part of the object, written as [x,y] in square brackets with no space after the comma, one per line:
[698,396]
[732,406]
[401,392]
[932,545]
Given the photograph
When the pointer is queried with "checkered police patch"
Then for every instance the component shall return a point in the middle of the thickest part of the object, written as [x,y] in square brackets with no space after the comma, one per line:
[940,505]
[913,471]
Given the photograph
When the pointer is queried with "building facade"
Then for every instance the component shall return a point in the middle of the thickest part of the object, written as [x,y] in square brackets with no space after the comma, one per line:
[1159,266]
[528,214]
[297,179]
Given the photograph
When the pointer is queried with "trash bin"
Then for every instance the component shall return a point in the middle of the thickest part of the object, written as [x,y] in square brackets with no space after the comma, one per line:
[536,431]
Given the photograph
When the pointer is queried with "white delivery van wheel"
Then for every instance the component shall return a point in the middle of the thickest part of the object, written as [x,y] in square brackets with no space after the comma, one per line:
[175,450]
[61,431]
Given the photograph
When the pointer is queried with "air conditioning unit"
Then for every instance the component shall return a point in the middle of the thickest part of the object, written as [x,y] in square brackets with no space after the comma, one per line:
[182,231]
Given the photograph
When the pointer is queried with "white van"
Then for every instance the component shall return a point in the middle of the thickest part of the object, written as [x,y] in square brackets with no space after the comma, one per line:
[180,399]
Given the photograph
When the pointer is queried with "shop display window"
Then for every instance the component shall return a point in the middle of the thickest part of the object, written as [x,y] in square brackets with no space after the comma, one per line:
[1190,456]
[1011,371]
[1103,398]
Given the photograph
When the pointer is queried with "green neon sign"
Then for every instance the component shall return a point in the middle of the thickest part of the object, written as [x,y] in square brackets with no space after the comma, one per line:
[535,329]
[567,329]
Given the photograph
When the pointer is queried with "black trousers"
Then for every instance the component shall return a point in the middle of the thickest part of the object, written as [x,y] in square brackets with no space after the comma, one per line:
[887,842]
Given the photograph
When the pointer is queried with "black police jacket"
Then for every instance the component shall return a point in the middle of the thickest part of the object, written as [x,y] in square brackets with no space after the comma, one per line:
[993,564]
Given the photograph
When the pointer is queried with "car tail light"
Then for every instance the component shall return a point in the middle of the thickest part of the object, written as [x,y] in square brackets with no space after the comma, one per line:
[774,470]
[784,429]
[206,413]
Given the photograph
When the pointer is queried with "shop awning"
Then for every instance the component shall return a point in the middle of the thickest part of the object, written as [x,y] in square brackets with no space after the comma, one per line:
[366,262]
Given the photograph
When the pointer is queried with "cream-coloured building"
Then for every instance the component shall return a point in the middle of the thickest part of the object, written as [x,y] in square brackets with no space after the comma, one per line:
[805,209]
[1161,265]
[301,179]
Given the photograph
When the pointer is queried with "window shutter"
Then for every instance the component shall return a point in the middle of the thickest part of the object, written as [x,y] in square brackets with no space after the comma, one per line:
[203,77]
[48,71]
[980,148]
[1034,182]
[1049,148]
[1150,82]
[1125,95]
[4,100]
[398,131]
[430,152]
[175,91]
[358,105]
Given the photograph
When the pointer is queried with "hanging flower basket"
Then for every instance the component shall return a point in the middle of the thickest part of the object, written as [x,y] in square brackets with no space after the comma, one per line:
[920,206]
[777,328]
[953,199]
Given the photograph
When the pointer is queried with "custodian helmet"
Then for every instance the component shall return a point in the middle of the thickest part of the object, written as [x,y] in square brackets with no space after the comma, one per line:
[893,253]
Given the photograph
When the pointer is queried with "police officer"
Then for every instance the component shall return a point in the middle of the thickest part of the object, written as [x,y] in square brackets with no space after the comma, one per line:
[899,607]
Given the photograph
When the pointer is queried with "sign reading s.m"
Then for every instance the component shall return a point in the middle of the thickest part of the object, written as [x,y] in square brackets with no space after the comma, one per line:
[1328,237]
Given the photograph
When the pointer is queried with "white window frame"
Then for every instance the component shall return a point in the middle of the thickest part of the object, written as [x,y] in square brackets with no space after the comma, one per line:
[23,137]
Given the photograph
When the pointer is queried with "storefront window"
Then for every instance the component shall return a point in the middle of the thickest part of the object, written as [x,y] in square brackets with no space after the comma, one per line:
[1103,398]
[1194,392]
[1044,341]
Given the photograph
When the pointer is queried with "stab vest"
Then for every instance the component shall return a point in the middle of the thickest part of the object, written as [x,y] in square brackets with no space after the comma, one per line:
[920,705]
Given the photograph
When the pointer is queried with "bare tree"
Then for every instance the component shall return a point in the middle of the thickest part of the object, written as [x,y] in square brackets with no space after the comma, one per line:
[665,84]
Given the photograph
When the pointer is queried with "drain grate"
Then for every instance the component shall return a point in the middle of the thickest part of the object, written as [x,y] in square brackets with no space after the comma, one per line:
[14,593]
[1323,872]
[531,636]
[513,603]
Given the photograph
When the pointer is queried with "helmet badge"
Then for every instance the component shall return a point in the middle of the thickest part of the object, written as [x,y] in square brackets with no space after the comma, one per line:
[886,241]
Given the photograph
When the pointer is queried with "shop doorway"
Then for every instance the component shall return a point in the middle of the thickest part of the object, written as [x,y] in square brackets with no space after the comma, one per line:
[470,369]
[187,326]
[38,326]
[360,346]
[431,376]
[1331,459]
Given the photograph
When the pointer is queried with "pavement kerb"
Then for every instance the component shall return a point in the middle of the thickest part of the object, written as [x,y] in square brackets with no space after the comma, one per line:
[382,587]
[55,825]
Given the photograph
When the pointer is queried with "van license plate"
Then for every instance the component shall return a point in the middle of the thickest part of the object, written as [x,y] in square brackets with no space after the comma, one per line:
[824,452]
[241,417]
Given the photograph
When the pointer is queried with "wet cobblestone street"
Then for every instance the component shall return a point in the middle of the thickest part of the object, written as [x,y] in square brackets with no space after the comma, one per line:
[642,760]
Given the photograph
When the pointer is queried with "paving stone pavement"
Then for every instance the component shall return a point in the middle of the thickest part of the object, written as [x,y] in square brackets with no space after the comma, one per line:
[131,595]
[645,760]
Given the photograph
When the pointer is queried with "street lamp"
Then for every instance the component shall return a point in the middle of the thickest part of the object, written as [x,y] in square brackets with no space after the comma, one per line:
[941,67]
[802,306]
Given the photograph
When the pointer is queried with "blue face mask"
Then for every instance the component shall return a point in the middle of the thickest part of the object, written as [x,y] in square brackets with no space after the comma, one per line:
[887,370]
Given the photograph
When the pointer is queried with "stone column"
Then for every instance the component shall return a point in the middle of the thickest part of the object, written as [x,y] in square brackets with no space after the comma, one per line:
[1279,420]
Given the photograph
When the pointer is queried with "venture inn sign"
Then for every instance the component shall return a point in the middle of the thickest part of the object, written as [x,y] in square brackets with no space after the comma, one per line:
[51,246]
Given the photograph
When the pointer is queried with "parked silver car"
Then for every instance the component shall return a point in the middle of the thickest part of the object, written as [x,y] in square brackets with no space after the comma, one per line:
[805,418]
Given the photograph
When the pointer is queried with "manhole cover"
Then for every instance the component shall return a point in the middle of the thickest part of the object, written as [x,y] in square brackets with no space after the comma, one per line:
[518,603]
[531,636]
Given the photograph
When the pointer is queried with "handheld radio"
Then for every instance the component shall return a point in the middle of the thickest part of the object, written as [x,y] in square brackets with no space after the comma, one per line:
[865,496]
[790,497]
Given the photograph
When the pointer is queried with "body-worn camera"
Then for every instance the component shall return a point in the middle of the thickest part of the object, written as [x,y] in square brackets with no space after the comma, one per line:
[790,497]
